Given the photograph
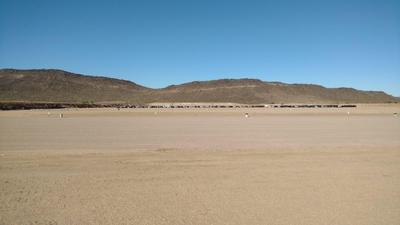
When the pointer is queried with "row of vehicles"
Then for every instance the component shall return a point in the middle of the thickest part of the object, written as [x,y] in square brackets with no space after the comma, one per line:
[178,106]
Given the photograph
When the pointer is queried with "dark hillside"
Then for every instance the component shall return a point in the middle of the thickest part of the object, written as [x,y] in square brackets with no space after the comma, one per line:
[64,87]
[61,86]
[256,91]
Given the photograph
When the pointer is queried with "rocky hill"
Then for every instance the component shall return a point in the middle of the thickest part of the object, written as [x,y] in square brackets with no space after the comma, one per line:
[255,91]
[61,86]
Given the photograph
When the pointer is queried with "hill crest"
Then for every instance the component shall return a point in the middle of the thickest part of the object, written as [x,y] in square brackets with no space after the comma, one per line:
[60,86]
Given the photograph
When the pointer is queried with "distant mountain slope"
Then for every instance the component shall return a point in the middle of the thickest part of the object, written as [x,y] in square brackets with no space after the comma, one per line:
[61,86]
[256,91]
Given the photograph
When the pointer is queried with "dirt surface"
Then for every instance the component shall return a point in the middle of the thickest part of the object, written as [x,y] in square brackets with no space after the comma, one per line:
[198,166]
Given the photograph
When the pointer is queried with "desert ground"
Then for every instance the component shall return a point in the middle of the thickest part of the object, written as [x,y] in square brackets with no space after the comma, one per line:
[201,166]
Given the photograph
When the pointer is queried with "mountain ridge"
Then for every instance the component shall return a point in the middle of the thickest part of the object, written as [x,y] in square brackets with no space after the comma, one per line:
[52,85]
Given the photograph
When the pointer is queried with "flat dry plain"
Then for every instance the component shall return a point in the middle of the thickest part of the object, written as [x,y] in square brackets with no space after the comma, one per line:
[198,166]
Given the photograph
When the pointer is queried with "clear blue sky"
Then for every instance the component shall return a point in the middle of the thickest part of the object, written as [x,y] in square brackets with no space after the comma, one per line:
[158,43]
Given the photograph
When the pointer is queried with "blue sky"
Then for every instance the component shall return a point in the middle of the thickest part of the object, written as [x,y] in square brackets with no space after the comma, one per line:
[159,43]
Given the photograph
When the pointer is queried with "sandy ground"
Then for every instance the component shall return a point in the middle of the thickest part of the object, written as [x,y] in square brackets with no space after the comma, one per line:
[198,166]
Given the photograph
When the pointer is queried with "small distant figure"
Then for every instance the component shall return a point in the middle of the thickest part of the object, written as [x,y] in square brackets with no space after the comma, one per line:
[395,114]
[247,115]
